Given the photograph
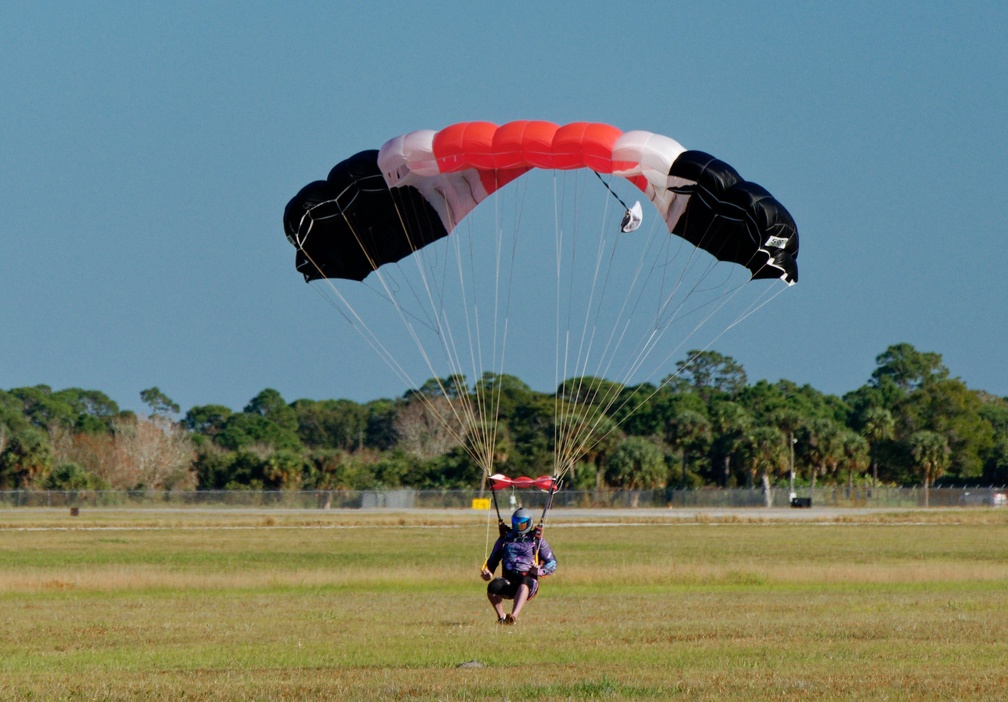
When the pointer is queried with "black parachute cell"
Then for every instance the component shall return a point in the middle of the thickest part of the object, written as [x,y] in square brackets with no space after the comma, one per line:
[351,223]
[734,219]
[709,172]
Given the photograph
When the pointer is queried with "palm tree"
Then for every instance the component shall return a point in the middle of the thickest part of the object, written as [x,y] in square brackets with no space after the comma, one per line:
[879,426]
[685,431]
[766,456]
[930,451]
[636,464]
[789,421]
[26,459]
[730,424]
[855,450]
[821,449]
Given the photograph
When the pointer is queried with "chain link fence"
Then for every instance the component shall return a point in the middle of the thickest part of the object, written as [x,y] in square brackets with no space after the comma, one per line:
[829,496]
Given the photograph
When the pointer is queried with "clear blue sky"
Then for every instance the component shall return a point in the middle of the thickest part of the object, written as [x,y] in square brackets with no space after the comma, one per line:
[148,151]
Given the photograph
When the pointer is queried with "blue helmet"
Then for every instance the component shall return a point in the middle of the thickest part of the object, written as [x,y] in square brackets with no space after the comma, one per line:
[521,521]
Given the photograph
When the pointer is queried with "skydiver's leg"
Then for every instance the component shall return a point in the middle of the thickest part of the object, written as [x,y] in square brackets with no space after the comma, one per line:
[497,602]
[521,597]
[496,593]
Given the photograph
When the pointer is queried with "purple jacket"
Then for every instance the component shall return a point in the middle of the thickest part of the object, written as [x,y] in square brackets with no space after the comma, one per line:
[516,552]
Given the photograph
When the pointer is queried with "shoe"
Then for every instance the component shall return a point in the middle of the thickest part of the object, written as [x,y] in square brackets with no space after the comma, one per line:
[502,620]
[509,620]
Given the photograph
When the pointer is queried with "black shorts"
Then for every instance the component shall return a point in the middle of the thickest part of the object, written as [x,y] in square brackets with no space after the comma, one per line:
[507,586]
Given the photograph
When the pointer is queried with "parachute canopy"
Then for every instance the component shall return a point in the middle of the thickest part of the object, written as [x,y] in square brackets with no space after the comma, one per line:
[604,308]
[378,207]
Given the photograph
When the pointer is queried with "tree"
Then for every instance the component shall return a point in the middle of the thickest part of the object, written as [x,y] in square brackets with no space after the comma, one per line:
[452,387]
[590,439]
[640,409]
[765,456]
[428,426]
[214,468]
[94,410]
[208,420]
[42,410]
[908,368]
[854,449]
[786,405]
[379,424]
[160,404]
[509,388]
[335,424]
[247,469]
[283,470]
[589,390]
[489,444]
[951,409]
[528,416]
[245,429]
[636,464]
[930,453]
[137,452]
[70,476]
[820,443]
[451,471]
[271,405]
[996,467]
[97,454]
[877,426]
[687,432]
[709,373]
[12,418]
[154,454]
[730,424]
[25,460]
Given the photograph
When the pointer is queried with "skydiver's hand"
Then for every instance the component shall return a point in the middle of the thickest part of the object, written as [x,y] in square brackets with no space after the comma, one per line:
[534,571]
[486,574]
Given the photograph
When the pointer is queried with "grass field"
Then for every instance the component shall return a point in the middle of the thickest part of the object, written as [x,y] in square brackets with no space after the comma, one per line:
[225,605]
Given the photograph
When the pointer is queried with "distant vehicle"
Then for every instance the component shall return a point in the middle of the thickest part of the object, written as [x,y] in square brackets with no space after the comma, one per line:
[984,497]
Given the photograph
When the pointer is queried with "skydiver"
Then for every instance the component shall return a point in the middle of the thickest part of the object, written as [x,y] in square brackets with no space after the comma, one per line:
[524,556]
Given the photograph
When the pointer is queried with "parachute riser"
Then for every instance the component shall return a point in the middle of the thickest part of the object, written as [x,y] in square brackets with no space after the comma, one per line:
[542,518]
[500,521]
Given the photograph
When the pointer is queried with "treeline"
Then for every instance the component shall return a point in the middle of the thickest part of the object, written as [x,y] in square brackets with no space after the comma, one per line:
[705,425]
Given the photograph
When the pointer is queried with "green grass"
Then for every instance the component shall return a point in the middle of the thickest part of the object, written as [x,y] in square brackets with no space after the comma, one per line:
[358,605]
